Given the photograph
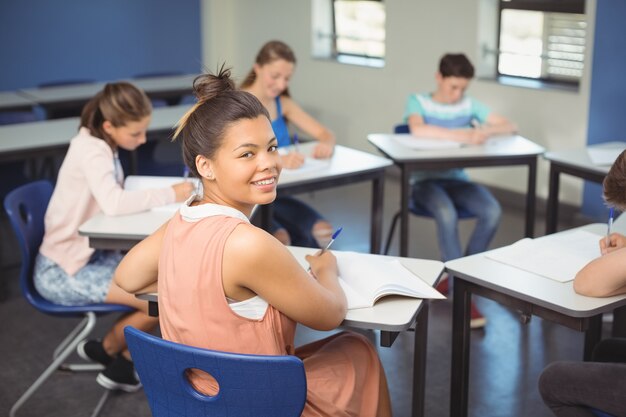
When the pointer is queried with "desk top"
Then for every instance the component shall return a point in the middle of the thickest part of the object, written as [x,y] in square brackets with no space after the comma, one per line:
[345,161]
[11,100]
[56,133]
[494,148]
[83,92]
[533,288]
[579,158]
[393,313]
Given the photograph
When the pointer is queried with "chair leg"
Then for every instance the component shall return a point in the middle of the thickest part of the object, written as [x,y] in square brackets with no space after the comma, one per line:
[87,325]
[392,229]
[101,402]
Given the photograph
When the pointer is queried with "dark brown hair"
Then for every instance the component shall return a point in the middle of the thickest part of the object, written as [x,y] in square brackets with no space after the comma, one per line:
[270,52]
[615,183]
[456,65]
[119,103]
[219,105]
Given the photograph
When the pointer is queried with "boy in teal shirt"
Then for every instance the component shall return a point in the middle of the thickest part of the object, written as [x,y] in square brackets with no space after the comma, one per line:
[449,114]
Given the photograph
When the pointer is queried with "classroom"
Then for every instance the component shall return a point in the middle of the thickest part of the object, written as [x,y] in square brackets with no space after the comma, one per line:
[550,70]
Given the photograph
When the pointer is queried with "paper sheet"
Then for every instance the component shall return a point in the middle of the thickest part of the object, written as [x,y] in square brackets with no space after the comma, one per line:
[558,257]
[412,142]
[604,155]
[146,182]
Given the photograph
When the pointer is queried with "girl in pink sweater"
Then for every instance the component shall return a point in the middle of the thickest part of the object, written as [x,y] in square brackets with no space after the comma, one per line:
[67,270]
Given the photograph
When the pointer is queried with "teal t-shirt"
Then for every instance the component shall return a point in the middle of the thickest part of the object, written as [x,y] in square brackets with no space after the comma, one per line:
[457,115]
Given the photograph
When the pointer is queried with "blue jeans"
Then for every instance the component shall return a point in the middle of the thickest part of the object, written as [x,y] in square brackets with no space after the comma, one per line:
[443,199]
[297,218]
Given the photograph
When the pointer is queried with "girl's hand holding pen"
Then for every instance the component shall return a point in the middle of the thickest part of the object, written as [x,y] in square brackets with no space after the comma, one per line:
[615,241]
[322,264]
[293,160]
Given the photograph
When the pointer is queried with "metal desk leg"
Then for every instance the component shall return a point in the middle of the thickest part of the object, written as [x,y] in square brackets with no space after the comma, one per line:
[378,189]
[531,198]
[619,322]
[552,212]
[404,211]
[419,361]
[460,348]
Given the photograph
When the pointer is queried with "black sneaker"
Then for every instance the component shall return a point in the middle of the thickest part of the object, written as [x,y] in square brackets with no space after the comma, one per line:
[92,350]
[119,375]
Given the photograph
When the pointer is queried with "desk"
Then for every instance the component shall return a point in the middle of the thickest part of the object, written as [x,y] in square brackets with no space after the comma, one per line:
[505,151]
[347,166]
[390,315]
[29,140]
[575,162]
[529,293]
[76,95]
[13,101]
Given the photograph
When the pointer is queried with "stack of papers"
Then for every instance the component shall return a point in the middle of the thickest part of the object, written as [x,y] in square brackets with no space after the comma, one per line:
[558,257]
[366,278]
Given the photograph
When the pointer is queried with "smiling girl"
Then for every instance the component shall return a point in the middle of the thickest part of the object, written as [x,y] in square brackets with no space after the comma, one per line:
[227,285]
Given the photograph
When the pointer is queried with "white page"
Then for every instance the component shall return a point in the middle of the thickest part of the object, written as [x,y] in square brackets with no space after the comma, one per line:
[365,274]
[604,156]
[410,141]
[558,257]
[147,182]
[310,164]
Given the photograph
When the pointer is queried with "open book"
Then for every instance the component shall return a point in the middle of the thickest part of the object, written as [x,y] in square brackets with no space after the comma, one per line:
[367,278]
[146,182]
[558,257]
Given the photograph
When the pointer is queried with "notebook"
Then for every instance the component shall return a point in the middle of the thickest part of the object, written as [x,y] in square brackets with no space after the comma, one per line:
[365,279]
[146,182]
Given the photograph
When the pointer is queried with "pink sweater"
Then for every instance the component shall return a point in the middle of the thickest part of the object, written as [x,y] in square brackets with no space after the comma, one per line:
[86,186]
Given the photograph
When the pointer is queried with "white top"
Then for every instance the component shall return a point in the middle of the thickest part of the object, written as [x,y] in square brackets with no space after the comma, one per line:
[581,159]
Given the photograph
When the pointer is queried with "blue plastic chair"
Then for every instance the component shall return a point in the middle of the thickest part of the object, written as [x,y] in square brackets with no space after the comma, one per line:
[26,207]
[599,413]
[462,213]
[249,385]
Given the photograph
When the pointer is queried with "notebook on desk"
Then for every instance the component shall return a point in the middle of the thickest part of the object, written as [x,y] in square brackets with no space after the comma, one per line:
[365,279]
[146,182]
[559,256]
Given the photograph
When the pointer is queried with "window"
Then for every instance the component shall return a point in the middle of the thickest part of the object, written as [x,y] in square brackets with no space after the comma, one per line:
[349,31]
[542,40]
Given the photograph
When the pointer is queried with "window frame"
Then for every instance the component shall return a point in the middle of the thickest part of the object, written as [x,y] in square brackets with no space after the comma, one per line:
[546,6]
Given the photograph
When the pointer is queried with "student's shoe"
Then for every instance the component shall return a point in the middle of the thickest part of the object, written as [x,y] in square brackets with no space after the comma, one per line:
[92,350]
[444,286]
[477,320]
[119,375]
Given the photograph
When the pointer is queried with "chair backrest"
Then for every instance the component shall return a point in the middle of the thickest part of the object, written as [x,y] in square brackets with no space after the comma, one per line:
[249,385]
[599,413]
[26,207]
[401,128]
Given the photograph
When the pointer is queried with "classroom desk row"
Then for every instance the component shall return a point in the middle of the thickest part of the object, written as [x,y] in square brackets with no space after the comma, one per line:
[526,292]
[61,96]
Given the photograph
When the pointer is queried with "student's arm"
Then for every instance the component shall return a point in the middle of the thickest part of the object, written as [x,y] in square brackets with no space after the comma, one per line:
[304,121]
[257,263]
[498,125]
[616,241]
[138,270]
[604,276]
[420,129]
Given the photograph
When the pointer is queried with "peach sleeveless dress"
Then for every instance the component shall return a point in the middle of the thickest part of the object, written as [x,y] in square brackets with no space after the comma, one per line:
[342,371]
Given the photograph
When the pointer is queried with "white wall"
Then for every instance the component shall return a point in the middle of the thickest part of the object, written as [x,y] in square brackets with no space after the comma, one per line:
[354,101]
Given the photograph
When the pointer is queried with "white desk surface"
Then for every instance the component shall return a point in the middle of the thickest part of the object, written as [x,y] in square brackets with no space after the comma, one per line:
[580,159]
[345,161]
[169,82]
[12,99]
[501,146]
[533,288]
[59,132]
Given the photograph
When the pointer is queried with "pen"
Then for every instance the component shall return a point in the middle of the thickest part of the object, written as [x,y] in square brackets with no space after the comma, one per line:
[608,229]
[332,239]
[186,173]
[296,143]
